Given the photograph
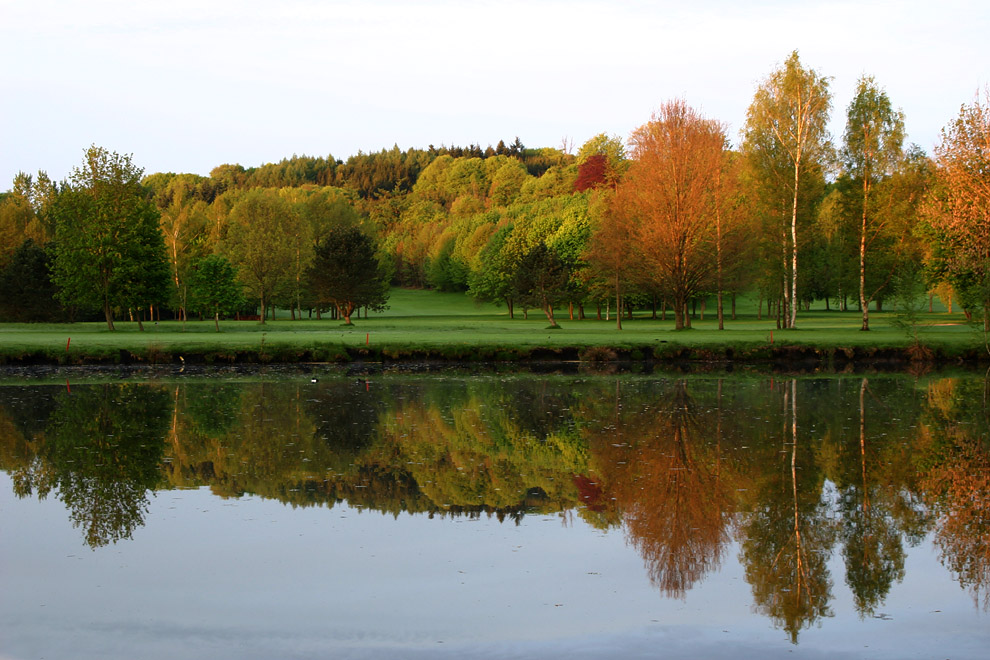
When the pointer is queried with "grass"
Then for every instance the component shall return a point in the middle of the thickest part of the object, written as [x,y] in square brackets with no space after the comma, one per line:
[454,326]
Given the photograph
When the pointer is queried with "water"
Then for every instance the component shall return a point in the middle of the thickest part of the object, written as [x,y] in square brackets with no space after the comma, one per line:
[493,516]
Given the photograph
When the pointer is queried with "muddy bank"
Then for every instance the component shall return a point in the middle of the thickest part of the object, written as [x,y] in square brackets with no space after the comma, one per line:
[781,356]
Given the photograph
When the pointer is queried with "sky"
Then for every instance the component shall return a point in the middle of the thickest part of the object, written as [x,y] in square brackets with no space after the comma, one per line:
[186,85]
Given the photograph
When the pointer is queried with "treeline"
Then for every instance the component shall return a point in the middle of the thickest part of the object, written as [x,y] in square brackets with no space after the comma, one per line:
[679,219]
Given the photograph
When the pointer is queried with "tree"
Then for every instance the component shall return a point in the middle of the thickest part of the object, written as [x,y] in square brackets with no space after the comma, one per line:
[958,205]
[493,268]
[184,225]
[731,243]
[541,279]
[671,192]
[26,290]
[871,151]
[16,217]
[601,160]
[262,243]
[611,252]
[787,121]
[214,288]
[109,248]
[346,273]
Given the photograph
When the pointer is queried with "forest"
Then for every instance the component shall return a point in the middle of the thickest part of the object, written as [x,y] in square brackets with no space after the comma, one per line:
[674,217]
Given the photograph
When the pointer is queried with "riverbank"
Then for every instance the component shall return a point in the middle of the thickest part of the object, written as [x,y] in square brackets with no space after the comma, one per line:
[367,342]
[424,326]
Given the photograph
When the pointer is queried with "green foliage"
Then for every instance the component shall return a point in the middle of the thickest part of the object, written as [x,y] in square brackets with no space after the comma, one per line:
[265,235]
[214,289]
[445,272]
[491,274]
[541,280]
[109,249]
[104,448]
[346,273]
[26,289]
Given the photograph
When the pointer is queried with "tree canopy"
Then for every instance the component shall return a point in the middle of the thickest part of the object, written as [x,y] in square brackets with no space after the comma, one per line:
[109,250]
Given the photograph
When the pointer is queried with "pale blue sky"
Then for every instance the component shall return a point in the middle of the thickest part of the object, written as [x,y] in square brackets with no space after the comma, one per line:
[187,85]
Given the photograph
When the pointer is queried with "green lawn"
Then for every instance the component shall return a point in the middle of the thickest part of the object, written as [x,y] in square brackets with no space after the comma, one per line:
[426,320]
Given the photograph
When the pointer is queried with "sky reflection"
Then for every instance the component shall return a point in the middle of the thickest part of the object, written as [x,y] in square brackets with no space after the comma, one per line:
[566,528]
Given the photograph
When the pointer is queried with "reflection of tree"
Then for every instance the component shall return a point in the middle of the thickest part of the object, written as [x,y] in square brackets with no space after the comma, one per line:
[103,454]
[485,448]
[668,484]
[678,463]
[957,484]
[873,549]
[788,537]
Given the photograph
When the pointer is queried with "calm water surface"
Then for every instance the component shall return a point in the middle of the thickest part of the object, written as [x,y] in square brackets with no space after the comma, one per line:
[417,516]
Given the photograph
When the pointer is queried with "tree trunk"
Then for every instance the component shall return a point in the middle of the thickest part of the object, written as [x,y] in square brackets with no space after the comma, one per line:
[108,314]
[345,310]
[864,304]
[264,311]
[548,311]
[580,311]
[570,310]
[718,258]
[794,250]
[216,320]
[618,303]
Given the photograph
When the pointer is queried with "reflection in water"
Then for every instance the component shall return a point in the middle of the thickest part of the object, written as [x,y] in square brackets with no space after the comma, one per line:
[788,534]
[102,454]
[958,482]
[666,482]
[795,470]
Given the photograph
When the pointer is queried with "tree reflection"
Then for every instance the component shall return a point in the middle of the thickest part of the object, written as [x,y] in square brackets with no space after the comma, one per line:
[677,463]
[788,536]
[873,545]
[667,483]
[958,484]
[102,455]
[478,447]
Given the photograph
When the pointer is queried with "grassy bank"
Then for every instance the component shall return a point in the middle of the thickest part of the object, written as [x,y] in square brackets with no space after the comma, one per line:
[437,326]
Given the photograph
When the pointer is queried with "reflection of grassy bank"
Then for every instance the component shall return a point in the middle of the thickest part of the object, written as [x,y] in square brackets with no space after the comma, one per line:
[447,327]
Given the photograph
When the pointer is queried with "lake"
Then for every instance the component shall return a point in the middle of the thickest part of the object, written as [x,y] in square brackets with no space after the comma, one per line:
[323,513]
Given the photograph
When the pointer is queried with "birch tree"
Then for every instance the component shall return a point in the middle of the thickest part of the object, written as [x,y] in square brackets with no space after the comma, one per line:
[787,120]
[871,150]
